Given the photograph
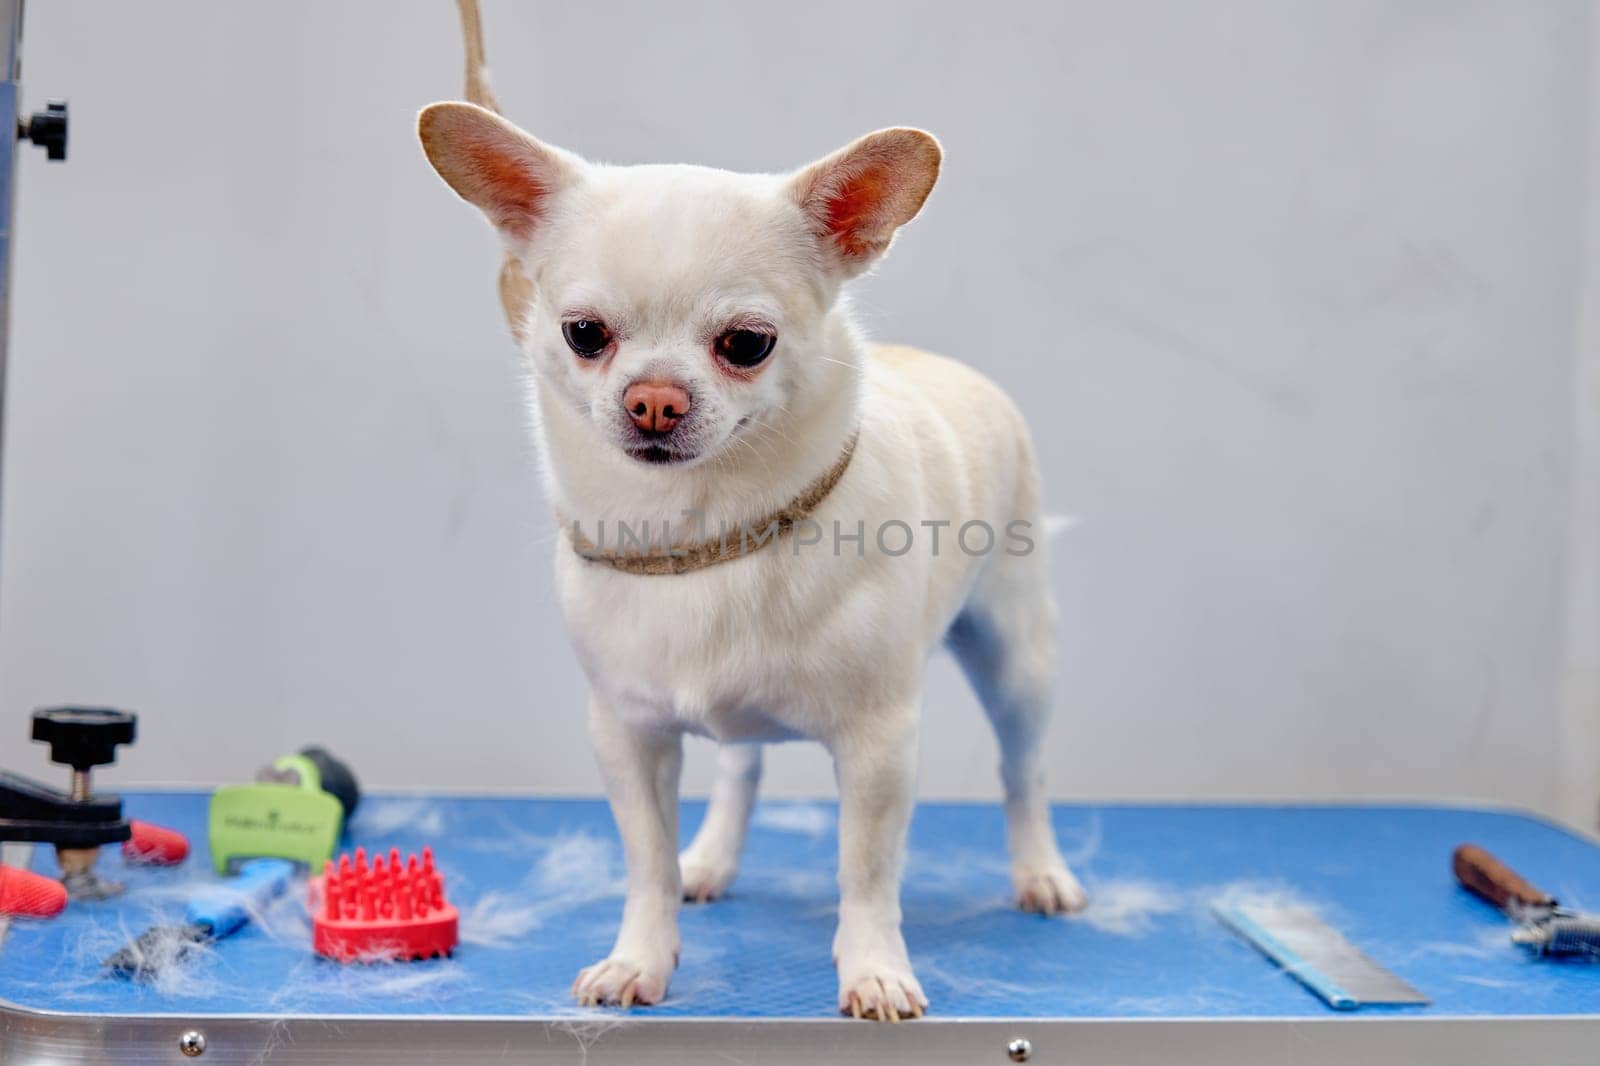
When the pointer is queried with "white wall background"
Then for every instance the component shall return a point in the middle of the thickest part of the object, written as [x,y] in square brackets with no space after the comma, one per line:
[1292,293]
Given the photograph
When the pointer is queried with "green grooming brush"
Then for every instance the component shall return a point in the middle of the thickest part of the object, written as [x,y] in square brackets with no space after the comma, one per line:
[295,809]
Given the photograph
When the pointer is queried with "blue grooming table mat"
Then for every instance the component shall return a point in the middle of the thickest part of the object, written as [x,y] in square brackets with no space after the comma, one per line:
[539,885]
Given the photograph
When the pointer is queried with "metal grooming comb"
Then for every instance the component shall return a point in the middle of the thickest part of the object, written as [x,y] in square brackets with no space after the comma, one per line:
[1316,954]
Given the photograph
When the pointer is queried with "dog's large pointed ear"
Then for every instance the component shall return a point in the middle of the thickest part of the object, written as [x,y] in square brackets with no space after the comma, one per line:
[859,196]
[493,165]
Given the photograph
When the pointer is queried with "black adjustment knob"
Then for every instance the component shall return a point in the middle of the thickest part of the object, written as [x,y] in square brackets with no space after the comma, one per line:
[48,129]
[82,737]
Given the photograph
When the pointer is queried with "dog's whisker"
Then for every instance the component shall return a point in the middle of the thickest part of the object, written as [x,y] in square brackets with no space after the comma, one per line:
[770,428]
[753,451]
[857,367]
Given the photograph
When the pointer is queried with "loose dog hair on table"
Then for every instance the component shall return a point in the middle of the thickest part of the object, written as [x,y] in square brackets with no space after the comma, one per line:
[690,352]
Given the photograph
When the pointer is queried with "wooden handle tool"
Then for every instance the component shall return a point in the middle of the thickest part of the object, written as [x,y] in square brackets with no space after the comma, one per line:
[1496,882]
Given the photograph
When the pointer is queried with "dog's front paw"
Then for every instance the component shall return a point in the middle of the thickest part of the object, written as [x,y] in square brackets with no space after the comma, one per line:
[875,978]
[705,876]
[1047,890]
[622,982]
[883,993]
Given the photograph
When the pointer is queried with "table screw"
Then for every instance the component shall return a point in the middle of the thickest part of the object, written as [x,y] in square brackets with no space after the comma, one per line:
[192,1043]
[1019,1050]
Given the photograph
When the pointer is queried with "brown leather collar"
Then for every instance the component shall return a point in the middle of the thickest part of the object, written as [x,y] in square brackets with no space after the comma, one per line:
[731,544]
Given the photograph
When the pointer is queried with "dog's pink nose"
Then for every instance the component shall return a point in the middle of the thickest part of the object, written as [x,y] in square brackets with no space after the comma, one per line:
[655,406]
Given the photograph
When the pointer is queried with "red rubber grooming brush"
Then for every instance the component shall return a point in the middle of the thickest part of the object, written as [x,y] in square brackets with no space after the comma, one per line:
[25,894]
[151,845]
[383,912]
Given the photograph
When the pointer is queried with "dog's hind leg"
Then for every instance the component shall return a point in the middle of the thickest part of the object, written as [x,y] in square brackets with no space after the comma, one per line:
[1005,641]
[711,861]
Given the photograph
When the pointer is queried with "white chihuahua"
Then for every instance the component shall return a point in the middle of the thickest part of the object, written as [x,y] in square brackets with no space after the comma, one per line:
[752,503]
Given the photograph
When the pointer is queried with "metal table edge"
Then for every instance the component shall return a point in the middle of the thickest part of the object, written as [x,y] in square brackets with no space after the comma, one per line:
[28,1035]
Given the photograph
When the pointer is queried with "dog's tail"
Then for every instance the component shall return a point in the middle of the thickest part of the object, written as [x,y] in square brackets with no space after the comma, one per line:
[516,291]
[477,71]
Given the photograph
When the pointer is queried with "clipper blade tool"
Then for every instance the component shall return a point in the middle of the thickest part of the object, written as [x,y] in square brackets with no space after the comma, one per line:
[1543,925]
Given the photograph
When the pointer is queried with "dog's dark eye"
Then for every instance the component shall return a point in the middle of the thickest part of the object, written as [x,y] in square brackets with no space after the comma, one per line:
[586,336]
[745,347]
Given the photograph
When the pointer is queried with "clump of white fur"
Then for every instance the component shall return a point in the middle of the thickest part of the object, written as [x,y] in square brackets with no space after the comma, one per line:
[380,817]
[1128,908]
